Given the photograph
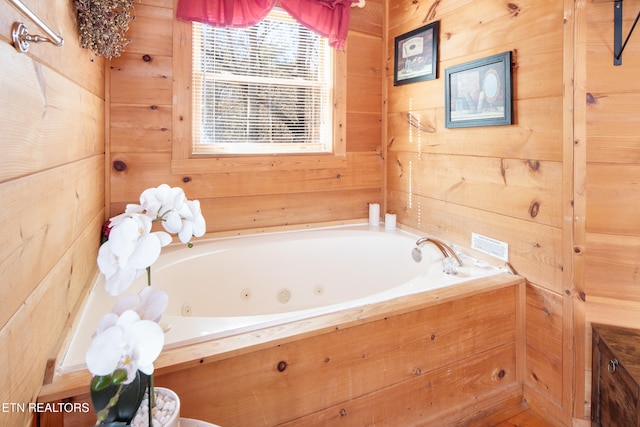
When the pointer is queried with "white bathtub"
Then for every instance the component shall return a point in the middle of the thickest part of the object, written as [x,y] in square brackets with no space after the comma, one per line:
[226,286]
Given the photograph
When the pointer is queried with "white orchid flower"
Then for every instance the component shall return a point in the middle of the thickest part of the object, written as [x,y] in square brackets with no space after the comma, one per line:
[149,303]
[193,223]
[125,342]
[131,248]
[129,211]
[164,202]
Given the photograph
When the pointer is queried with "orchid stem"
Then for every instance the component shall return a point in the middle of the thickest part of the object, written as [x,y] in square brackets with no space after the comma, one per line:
[149,276]
[104,412]
[152,399]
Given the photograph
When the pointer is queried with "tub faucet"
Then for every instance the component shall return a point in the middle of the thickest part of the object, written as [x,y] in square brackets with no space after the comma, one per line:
[446,250]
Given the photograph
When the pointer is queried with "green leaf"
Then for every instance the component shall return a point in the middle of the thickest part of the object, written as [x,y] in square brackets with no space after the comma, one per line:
[99,382]
[119,376]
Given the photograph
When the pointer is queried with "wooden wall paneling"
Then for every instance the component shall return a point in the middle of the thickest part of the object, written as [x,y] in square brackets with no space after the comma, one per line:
[237,213]
[181,106]
[613,198]
[610,262]
[140,128]
[363,132]
[482,27]
[619,148]
[52,188]
[409,14]
[55,207]
[525,189]
[145,169]
[134,80]
[32,335]
[414,97]
[606,99]
[545,383]
[612,266]
[611,312]
[364,93]
[363,60]
[539,64]
[365,74]
[535,135]
[545,321]
[543,388]
[611,111]
[249,389]
[439,397]
[41,106]
[258,212]
[151,34]
[613,123]
[573,211]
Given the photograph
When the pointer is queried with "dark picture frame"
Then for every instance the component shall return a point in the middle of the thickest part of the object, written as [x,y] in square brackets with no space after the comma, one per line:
[416,55]
[479,93]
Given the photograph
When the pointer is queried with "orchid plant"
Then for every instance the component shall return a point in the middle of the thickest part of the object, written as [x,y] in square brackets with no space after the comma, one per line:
[129,339]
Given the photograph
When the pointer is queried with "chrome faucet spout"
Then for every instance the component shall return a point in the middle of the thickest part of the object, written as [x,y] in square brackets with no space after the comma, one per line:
[447,251]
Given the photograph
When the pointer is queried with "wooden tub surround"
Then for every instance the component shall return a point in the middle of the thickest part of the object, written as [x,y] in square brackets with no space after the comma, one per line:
[443,357]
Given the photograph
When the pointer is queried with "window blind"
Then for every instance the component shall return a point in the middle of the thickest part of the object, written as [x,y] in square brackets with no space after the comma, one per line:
[261,89]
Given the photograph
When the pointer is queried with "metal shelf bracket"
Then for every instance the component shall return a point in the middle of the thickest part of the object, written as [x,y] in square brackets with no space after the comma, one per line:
[618,46]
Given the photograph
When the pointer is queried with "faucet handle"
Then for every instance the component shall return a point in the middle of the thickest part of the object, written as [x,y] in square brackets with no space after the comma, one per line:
[450,265]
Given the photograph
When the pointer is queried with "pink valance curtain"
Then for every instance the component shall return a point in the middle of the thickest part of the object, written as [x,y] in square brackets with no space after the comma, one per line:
[329,18]
[224,13]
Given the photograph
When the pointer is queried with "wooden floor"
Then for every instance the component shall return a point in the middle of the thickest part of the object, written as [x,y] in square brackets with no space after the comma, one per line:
[519,416]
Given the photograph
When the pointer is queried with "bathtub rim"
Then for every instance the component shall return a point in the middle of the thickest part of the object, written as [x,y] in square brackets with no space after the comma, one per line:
[233,240]
[75,383]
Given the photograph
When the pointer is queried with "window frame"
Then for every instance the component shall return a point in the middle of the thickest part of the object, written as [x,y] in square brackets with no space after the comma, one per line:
[184,161]
[322,145]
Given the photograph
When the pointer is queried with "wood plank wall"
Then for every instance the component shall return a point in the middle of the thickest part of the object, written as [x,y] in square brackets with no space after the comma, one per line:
[237,198]
[608,240]
[504,182]
[52,192]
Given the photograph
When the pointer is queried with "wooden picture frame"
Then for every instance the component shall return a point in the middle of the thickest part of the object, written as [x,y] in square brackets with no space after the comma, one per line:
[479,93]
[416,55]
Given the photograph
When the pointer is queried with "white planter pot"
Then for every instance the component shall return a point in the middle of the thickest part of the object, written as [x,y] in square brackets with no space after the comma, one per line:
[166,412]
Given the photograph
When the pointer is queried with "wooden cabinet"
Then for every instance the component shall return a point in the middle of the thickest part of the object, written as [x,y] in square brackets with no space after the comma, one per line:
[615,391]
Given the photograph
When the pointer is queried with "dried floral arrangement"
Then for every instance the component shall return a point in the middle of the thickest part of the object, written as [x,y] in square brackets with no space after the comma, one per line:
[103,24]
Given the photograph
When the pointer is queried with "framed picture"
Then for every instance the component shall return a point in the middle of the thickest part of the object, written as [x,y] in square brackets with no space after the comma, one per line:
[478,93]
[416,55]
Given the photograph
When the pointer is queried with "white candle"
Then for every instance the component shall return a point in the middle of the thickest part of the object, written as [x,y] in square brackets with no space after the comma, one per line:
[374,214]
[390,221]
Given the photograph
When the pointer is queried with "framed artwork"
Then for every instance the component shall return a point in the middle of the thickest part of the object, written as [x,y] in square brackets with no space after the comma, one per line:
[479,93]
[416,55]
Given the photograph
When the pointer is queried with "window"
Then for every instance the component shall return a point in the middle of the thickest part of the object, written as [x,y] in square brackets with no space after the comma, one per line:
[261,90]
